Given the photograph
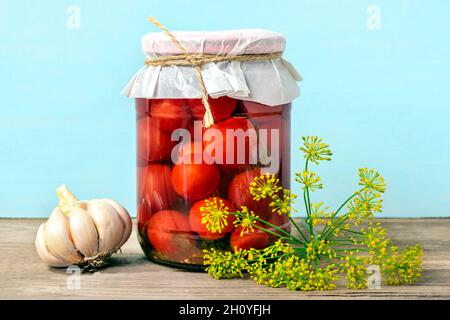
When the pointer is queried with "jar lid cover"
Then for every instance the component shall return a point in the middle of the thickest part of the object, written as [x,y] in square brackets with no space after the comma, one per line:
[244,41]
[271,81]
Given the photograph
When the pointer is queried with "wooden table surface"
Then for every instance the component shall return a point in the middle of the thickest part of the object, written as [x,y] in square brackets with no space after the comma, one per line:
[131,276]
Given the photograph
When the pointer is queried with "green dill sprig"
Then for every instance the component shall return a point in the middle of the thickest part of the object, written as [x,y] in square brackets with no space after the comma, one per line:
[342,243]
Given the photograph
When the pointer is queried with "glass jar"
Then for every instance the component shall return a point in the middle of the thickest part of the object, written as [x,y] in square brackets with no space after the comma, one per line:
[175,177]
[194,166]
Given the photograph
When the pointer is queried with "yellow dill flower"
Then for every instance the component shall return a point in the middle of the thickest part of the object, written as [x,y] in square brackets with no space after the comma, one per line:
[355,212]
[215,215]
[369,202]
[264,186]
[246,220]
[403,267]
[301,275]
[353,266]
[319,248]
[225,264]
[364,206]
[319,215]
[375,236]
[277,247]
[315,149]
[371,180]
[284,204]
[308,179]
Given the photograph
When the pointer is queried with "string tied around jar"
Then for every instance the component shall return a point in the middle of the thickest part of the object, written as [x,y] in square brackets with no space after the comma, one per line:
[197,61]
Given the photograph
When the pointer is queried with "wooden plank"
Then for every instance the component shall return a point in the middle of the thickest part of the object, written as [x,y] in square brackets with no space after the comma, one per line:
[131,276]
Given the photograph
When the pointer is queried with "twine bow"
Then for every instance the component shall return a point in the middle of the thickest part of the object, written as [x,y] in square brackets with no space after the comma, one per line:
[197,60]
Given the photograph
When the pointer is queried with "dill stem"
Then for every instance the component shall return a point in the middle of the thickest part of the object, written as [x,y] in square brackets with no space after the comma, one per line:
[298,229]
[289,236]
[307,201]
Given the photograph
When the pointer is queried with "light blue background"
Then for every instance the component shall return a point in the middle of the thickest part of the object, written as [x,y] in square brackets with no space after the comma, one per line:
[379,97]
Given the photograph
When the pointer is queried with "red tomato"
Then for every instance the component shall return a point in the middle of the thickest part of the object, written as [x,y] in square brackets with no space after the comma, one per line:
[196,215]
[168,231]
[195,181]
[156,185]
[257,239]
[172,113]
[241,151]
[221,108]
[152,143]
[239,193]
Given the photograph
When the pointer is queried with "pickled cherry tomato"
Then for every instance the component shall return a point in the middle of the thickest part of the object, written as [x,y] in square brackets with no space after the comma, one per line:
[221,108]
[171,113]
[196,216]
[239,193]
[241,151]
[152,143]
[195,181]
[167,230]
[156,185]
[257,239]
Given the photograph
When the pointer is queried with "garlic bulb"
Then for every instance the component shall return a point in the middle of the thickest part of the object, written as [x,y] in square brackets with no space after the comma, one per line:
[84,233]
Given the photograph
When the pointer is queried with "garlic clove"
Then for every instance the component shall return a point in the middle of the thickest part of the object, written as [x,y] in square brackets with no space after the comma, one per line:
[109,225]
[84,232]
[126,219]
[57,238]
[66,199]
[43,252]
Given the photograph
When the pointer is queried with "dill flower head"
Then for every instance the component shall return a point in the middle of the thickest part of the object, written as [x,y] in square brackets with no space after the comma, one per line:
[215,215]
[318,248]
[354,267]
[258,258]
[364,206]
[225,264]
[277,247]
[319,215]
[297,274]
[283,204]
[403,267]
[355,212]
[264,186]
[246,220]
[309,180]
[315,149]
[376,241]
[369,202]
[371,180]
